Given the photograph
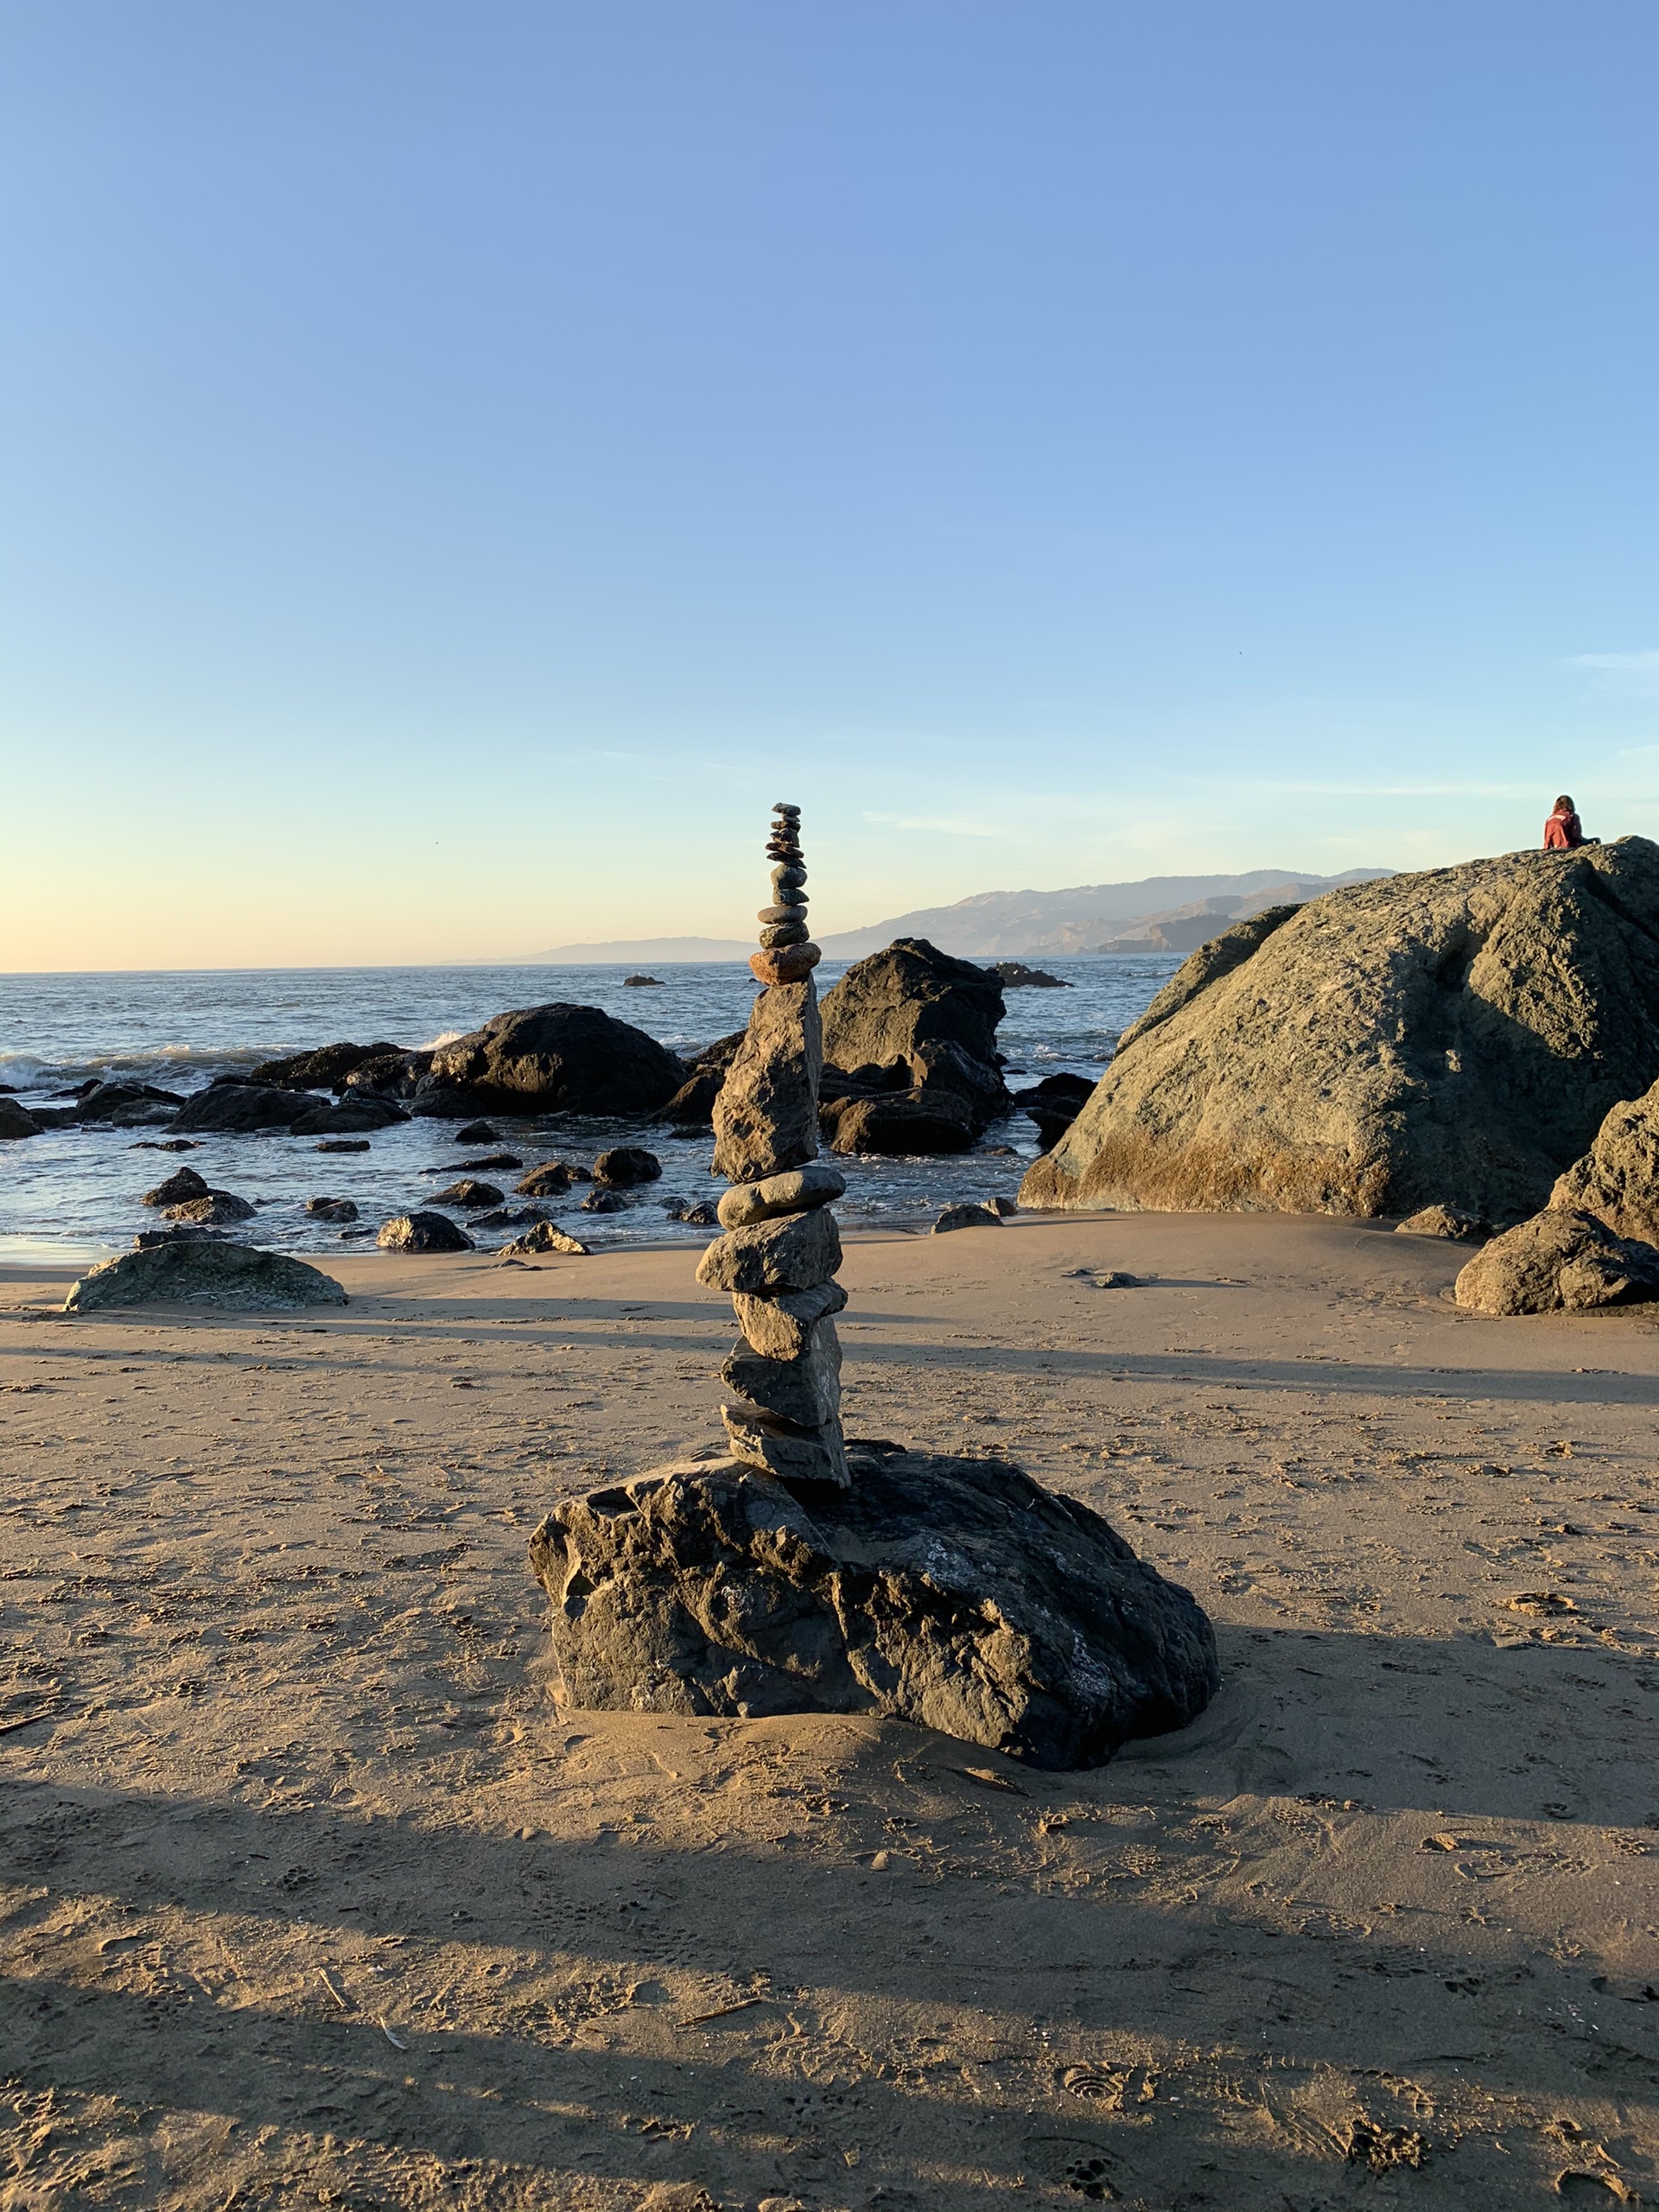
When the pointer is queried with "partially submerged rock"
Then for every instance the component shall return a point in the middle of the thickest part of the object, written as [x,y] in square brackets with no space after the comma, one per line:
[955,1593]
[470,1192]
[1561,1260]
[626,1166]
[423,1232]
[546,1060]
[899,1128]
[327,1064]
[212,1210]
[349,1116]
[1015,976]
[545,1236]
[183,1183]
[16,1121]
[239,1108]
[199,1271]
[1455,1036]
[337,1211]
[552,1177]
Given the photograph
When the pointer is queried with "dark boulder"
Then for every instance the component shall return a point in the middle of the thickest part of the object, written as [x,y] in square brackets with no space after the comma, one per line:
[552,1177]
[472,1167]
[508,1218]
[692,1106]
[478,1133]
[642,983]
[343,1144]
[626,1166]
[16,1121]
[332,1210]
[183,1183]
[202,1271]
[212,1210]
[239,1108]
[388,1074]
[957,1594]
[600,1200]
[547,1059]
[696,1213]
[469,1192]
[423,1232]
[883,1008]
[328,1067]
[1015,976]
[897,1128]
[349,1116]
[127,1104]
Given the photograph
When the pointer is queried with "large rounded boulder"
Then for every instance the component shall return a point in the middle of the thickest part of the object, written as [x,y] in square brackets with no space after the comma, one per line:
[1454,1037]
[551,1059]
[911,994]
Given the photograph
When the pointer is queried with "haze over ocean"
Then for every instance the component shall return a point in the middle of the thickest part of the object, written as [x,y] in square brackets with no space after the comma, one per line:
[463,465]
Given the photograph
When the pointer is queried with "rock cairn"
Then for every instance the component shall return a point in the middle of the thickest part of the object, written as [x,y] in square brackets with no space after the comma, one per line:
[781,1248]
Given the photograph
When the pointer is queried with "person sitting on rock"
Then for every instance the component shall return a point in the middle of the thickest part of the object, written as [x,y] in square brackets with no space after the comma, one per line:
[1564,832]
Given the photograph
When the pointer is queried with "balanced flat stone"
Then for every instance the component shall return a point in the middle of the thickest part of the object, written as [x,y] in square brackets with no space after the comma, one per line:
[782,1327]
[804,1391]
[954,1593]
[798,1252]
[813,1456]
[796,1191]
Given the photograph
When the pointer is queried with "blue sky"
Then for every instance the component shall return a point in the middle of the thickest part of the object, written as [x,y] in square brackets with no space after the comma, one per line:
[459,464]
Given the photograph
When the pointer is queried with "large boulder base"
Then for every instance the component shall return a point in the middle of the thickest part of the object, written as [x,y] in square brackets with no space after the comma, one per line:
[956,1593]
[1559,1261]
[198,1272]
[549,1059]
[1451,1038]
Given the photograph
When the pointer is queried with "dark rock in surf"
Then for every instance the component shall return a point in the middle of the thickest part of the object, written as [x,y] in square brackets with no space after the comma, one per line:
[240,1109]
[545,1060]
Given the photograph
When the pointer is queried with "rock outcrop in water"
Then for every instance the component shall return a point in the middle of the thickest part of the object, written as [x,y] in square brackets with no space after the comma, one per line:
[910,1047]
[1454,1038]
[16,1121]
[549,1059]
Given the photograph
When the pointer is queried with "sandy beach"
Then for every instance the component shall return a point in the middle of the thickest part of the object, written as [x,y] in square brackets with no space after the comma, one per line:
[310,1896]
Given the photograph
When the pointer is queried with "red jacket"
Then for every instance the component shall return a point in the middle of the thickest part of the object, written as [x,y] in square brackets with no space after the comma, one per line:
[1563,833]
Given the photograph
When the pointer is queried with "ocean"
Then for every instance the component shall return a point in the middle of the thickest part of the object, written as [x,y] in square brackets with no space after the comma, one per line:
[74,1195]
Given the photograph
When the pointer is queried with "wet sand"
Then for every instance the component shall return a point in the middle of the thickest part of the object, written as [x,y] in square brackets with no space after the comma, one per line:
[310,1898]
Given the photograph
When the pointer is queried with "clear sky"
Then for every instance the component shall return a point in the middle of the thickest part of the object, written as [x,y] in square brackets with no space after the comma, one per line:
[459,464]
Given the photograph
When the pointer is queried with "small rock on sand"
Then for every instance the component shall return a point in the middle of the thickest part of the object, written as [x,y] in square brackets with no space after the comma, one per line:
[985,1215]
[1560,1259]
[1450,1221]
[203,1272]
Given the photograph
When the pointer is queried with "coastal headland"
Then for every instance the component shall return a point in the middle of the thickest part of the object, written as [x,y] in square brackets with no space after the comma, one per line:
[311,1896]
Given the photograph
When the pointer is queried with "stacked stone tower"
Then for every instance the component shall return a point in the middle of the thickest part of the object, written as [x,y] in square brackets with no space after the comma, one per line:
[781,1248]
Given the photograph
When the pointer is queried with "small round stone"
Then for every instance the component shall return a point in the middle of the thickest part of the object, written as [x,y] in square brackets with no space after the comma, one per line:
[777,934]
[782,913]
[787,877]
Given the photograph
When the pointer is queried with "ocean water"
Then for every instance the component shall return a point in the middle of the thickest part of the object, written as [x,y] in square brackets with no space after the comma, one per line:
[74,1194]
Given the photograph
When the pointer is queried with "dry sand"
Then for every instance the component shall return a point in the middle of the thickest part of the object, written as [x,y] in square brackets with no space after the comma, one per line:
[310,1898]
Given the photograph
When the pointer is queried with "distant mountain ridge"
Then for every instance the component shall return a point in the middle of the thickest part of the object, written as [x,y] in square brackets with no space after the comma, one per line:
[1157,914]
